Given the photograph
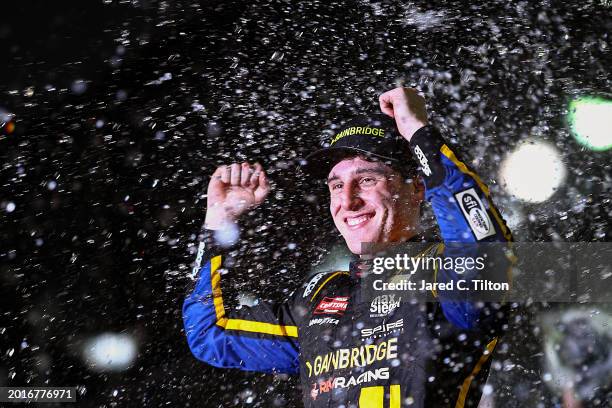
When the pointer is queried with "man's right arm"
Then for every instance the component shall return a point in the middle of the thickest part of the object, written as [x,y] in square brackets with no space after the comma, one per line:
[258,338]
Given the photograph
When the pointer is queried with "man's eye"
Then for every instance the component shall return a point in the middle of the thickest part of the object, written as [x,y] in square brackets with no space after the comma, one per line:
[337,186]
[368,181]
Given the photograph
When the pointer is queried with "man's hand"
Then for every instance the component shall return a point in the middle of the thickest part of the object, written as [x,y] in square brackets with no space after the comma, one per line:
[233,190]
[407,107]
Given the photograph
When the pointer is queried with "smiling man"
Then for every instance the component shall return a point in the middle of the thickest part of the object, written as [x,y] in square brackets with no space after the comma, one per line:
[351,349]
[362,203]
[363,196]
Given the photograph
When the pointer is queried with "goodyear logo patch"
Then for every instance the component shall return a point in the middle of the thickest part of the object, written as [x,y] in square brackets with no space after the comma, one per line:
[358,130]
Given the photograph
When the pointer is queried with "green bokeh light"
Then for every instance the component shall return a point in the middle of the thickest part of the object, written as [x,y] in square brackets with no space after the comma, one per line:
[590,120]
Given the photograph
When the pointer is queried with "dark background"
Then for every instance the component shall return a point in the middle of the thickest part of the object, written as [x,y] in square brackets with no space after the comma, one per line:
[129,106]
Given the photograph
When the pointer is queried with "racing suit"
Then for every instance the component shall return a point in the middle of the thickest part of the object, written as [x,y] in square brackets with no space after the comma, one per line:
[354,351]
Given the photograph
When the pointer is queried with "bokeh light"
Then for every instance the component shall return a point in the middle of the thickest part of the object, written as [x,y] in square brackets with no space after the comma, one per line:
[110,352]
[9,127]
[533,171]
[590,120]
[228,235]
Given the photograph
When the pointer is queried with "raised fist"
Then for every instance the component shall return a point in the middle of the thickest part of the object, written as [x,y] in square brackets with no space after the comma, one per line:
[407,107]
[233,190]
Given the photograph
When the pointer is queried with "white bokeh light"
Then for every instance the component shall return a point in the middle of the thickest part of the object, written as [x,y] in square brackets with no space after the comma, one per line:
[532,172]
[591,122]
[227,235]
[110,352]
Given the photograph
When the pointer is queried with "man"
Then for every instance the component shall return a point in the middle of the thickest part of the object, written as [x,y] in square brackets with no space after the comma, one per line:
[350,349]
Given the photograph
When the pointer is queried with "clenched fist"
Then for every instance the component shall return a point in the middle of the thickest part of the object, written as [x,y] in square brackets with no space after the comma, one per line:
[407,107]
[233,190]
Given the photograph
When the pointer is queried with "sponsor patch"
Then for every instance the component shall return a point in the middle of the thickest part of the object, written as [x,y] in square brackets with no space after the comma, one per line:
[312,284]
[358,130]
[349,358]
[475,213]
[423,160]
[333,306]
[198,262]
[384,305]
[324,386]
[323,320]
[383,329]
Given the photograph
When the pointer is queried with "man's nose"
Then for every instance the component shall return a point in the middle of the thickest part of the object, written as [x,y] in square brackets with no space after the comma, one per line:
[351,200]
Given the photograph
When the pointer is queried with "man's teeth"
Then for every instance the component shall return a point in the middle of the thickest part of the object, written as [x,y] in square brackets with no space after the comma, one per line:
[358,220]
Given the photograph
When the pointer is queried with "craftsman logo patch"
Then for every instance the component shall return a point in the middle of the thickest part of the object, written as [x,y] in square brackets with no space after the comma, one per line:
[475,213]
[333,306]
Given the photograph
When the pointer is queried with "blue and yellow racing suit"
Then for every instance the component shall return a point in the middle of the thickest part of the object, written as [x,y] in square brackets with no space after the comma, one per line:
[353,350]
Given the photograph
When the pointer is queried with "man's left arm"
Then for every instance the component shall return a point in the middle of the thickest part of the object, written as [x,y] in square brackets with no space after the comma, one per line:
[463,208]
[466,214]
[461,201]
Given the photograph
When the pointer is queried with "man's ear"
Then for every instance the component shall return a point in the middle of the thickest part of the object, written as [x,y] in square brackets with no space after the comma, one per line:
[419,188]
[414,190]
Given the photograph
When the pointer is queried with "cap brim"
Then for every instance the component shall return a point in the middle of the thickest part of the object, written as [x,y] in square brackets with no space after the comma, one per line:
[319,163]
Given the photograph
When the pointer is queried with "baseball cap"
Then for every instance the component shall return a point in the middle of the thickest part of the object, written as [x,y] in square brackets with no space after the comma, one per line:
[374,135]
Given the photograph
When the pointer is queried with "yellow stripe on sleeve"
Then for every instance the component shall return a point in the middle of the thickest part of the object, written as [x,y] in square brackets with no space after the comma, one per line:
[446,151]
[215,279]
[239,324]
[260,327]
